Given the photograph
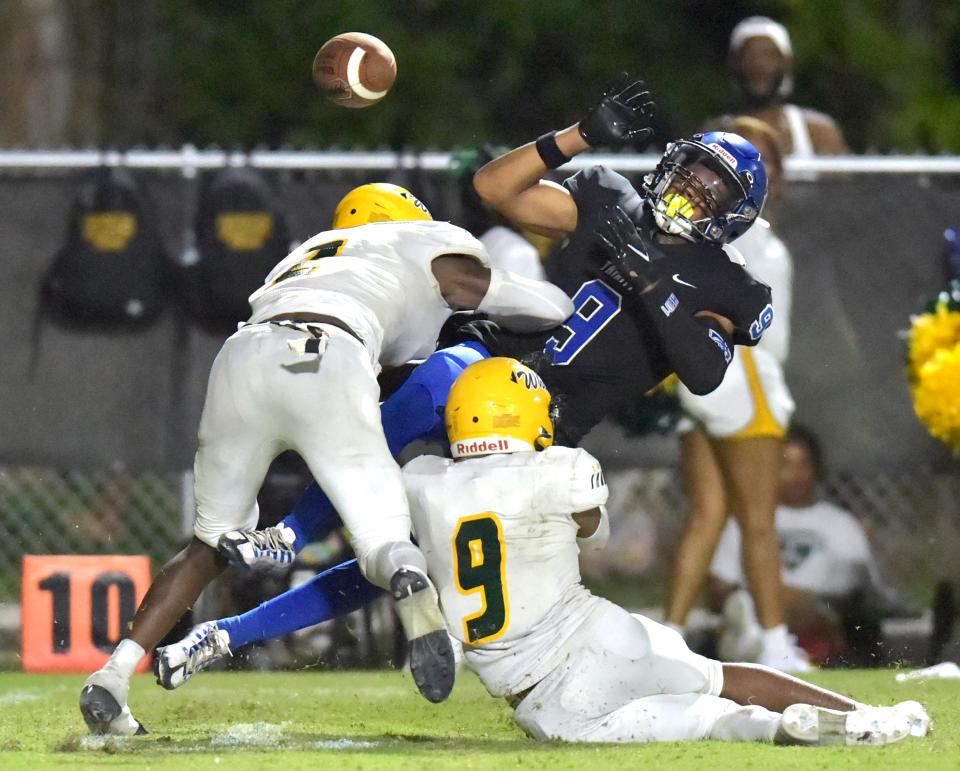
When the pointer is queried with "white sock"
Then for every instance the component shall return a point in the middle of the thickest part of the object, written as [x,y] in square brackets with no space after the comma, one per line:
[126,656]
[775,637]
[746,724]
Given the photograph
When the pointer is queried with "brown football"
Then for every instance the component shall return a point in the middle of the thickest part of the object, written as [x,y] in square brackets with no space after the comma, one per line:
[354,69]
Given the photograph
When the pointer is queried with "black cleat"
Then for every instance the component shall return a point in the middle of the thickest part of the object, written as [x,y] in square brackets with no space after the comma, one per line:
[104,715]
[430,652]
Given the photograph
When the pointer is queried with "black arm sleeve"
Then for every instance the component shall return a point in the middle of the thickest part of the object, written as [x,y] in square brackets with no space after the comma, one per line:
[698,349]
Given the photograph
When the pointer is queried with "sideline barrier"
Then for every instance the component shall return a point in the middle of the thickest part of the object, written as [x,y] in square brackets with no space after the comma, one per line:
[75,609]
[189,160]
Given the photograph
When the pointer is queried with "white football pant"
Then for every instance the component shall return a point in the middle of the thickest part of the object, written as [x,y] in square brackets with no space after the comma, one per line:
[264,398]
[629,679]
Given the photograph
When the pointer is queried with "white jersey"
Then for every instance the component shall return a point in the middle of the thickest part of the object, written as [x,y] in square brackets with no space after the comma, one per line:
[823,550]
[768,258]
[376,278]
[502,550]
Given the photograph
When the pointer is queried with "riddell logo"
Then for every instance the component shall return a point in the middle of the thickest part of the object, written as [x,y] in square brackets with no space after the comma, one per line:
[719,150]
[482,445]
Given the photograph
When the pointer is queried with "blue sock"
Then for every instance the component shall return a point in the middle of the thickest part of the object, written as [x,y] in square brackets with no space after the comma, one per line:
[414,411]
[312,513]
[333,593]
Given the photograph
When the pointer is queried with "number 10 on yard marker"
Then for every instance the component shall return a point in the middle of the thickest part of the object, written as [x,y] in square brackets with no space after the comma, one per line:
[75,609]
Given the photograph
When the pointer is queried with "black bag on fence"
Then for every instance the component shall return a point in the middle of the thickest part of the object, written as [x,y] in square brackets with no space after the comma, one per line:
[112,270]
[240,235]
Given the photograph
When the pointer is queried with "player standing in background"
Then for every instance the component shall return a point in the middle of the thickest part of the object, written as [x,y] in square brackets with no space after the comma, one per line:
[655,293]
[732,448]
[501,527]
[761,65]
[301,375]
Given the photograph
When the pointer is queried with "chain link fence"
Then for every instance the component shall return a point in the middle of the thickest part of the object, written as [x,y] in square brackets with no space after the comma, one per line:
[45,511]
[912,516]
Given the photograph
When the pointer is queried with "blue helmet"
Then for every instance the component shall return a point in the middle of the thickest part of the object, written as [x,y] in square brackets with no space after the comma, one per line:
[709,188]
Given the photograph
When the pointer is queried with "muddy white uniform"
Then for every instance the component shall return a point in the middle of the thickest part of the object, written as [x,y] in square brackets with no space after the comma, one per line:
[501,548]
[753,400]
[312,387]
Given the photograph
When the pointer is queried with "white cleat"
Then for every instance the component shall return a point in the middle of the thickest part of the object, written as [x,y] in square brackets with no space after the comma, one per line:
[270,549]
[103,704]
[818,726]
[431,655]
[916,715]
[175,664]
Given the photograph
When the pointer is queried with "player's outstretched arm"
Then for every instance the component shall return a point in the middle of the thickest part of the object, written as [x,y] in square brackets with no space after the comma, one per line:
[513,184]
[517,302]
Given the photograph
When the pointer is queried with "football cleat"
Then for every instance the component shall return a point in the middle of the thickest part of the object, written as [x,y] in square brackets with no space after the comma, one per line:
[205,645]
[430,654]
[818,726]
[917,717]
[267,549]
[103,704]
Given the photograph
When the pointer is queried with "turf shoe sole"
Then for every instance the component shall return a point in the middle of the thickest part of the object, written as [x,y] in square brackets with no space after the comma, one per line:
[819,726]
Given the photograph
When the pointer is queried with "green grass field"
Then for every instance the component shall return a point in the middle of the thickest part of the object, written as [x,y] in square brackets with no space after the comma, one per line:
[375,720]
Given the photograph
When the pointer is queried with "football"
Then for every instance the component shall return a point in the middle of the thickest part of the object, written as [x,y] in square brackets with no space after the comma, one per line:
[354,69]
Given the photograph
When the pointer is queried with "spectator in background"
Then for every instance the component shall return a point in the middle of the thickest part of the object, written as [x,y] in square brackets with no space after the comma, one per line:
[732,442]
[833,592]
[761,65]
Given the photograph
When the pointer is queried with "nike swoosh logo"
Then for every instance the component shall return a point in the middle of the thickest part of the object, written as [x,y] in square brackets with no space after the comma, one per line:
[676,277]
[634,249]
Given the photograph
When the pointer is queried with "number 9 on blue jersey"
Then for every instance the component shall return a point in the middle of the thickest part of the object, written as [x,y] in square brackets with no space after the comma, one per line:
[595,305]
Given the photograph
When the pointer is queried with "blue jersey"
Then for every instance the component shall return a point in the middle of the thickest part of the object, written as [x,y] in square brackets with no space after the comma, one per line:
[608,354]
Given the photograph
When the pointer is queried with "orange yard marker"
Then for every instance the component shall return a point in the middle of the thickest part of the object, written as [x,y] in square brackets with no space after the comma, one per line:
[75,609]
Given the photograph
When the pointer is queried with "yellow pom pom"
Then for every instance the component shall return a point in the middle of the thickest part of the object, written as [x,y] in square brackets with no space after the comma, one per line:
[930,332]
[677,204]
[936,396]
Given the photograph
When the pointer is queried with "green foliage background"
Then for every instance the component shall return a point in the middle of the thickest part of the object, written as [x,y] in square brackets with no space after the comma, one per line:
[238,73]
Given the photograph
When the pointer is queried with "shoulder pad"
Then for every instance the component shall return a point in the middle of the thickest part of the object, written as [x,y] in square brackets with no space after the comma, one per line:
[734,254]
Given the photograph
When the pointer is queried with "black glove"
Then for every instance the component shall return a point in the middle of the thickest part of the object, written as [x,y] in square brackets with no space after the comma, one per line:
[620,118]
[623,254]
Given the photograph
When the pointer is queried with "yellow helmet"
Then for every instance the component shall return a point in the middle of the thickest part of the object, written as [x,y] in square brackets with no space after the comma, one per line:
[378,202]
[498,405]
